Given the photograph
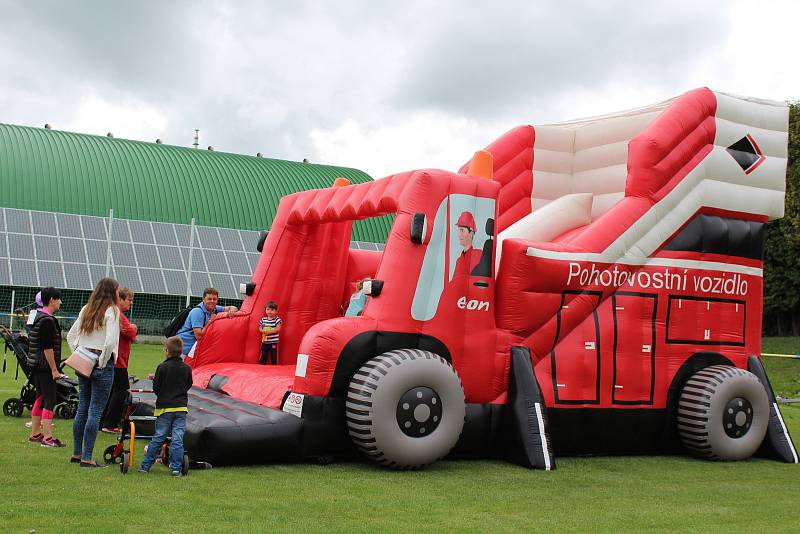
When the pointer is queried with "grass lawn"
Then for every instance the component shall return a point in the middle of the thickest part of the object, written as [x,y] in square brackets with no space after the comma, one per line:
[41,491]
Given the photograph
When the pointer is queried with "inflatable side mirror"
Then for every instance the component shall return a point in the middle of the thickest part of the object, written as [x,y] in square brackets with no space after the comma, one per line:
[419,227]
[373,287]
[261,239]
[247,289]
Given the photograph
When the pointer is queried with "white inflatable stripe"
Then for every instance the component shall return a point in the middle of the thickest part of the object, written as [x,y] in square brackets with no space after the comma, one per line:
[543,437]
[785,432]
[660,262]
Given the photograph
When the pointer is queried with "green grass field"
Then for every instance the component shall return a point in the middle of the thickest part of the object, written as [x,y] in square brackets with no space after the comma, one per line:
[41,491]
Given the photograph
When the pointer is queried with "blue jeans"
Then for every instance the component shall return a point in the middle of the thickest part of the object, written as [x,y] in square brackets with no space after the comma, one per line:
[176,421]
[92,398]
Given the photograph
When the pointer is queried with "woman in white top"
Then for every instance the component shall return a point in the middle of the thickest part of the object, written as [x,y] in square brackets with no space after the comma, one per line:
[96,332]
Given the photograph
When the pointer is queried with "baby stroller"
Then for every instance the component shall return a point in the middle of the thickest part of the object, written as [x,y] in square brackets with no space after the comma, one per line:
[138,424]
[67,393]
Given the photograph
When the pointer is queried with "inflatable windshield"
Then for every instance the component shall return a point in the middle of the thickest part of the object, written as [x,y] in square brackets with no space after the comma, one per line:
[587,287]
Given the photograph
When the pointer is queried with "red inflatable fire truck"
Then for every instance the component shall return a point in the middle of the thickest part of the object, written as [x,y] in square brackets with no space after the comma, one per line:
[586,287]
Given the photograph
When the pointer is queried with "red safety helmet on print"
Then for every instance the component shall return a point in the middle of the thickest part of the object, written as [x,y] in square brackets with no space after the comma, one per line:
[466,220]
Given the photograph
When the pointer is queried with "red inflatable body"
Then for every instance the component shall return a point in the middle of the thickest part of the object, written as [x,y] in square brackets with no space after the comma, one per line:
[579,294]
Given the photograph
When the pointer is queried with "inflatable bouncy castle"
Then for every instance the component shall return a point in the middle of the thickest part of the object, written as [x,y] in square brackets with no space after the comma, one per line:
[586,287]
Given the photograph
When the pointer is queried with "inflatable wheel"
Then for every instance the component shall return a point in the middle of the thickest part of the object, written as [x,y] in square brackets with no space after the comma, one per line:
[12,408]
[405,408]
[723,413]
[185,466]
[123,466]
[108,455]
[73,410]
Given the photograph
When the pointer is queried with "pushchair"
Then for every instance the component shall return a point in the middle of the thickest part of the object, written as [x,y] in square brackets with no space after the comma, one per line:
[66,391]
[138,424]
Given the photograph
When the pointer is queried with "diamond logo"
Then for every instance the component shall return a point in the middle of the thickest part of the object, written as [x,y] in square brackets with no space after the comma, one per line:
[746,153]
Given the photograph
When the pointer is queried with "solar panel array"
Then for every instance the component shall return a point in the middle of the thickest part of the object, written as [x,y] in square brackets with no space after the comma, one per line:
[39,248]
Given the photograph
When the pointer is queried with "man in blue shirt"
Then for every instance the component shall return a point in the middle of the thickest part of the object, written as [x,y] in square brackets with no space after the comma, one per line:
[193,329]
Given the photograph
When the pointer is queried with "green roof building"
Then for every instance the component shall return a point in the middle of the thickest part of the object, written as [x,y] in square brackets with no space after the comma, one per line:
[65,172]
[58,189]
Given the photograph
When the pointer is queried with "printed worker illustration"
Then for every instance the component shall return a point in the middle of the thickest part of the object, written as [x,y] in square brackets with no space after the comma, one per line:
[470,257]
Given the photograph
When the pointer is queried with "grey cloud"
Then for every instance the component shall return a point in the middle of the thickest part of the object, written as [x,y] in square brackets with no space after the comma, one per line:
[259,76]
[481,63]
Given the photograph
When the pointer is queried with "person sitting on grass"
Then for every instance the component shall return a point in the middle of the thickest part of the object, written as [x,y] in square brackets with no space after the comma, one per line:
[171,385]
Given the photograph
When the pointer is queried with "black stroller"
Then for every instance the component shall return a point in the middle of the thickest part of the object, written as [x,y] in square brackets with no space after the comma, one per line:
[67,400]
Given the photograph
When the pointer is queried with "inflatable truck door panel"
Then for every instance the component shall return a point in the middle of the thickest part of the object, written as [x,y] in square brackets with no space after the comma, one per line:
[634,347]
[575,358]
[455,289]
[706,321]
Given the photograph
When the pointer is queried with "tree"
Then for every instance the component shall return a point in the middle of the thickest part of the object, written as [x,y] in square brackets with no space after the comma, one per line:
[782,251]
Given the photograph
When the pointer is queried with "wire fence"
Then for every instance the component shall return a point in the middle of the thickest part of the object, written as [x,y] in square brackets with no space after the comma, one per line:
[150,313]
[166,265]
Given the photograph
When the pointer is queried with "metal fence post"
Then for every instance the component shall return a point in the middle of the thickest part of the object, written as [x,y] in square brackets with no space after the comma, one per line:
[108,246]
[189,267]
[11,316]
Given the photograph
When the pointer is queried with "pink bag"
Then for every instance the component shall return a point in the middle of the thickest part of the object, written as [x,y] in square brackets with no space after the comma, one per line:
[83,361]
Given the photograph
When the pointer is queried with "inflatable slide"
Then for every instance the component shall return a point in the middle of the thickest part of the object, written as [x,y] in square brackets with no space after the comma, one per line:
[587,287]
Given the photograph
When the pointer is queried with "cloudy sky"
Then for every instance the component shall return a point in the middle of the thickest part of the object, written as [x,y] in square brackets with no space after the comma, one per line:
[383,88]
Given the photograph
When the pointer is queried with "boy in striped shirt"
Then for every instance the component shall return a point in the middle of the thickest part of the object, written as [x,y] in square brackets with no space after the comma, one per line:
[270,326]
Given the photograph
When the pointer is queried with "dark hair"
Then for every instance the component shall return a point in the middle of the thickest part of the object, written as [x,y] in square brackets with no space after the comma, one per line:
[174,346]
[125,293]
[103,297]
[210,291]
[50,293]
[272,305]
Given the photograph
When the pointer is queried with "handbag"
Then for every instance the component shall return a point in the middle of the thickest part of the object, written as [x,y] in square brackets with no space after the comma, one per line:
[83,361]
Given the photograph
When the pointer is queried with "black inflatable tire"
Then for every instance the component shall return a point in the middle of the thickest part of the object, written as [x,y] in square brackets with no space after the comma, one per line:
[12,408]
[123,466]
[723,413]
[377,406]
[185,466]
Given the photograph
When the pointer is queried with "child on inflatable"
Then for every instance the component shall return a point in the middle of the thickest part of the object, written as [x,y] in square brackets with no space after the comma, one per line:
[357,300]
[270,326]
[171,385]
